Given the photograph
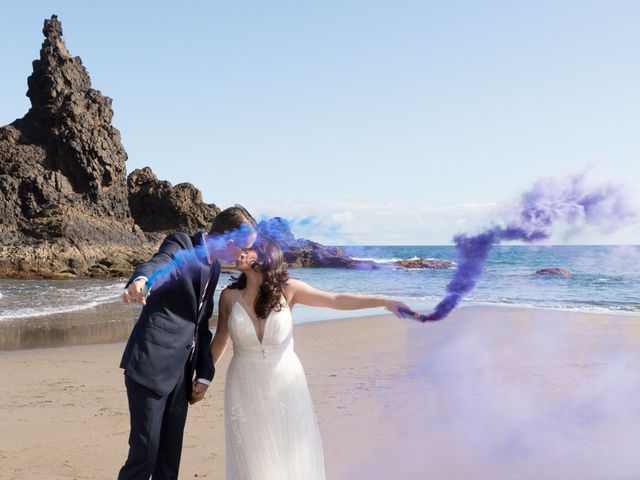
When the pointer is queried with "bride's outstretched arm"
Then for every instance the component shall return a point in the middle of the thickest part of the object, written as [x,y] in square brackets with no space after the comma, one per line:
[221,338]
[299,292]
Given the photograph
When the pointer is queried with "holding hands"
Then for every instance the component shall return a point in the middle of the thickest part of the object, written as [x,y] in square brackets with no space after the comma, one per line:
[197,394]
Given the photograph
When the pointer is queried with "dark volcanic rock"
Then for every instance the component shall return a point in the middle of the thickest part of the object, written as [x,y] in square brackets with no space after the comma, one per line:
[424,263]
[63,191]
[157,206]
[65,148]
[554,271]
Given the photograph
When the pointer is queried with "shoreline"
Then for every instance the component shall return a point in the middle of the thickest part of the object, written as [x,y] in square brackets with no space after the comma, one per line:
[576,310]
[112,322]
[105,323]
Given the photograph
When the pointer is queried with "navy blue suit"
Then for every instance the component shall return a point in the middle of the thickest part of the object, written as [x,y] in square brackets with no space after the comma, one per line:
[169,342]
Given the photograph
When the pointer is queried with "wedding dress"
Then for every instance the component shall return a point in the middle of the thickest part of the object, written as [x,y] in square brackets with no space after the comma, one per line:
[271,430]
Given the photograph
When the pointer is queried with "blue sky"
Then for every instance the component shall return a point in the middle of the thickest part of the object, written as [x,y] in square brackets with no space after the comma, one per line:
[388,122]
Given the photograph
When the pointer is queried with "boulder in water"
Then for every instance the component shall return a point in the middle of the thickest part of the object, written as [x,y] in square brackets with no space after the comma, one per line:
[561,272]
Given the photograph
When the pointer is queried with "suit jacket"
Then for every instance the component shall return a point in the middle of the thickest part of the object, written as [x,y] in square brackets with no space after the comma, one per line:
[159,349]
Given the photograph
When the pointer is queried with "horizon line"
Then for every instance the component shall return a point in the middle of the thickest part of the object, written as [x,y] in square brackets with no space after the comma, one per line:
[497,245]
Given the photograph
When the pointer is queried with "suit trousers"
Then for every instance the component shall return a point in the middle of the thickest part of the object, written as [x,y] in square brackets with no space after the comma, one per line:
[157,427]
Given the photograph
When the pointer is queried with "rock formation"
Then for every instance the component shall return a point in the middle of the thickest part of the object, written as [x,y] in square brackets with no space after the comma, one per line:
[64,203]
[64,150]
[157,206]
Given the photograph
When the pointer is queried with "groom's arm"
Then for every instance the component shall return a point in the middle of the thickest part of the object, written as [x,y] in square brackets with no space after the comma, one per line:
[161,264]
[170,246]
[204,363]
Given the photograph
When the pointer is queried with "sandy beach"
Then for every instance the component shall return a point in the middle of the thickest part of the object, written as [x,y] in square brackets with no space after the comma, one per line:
[488,393]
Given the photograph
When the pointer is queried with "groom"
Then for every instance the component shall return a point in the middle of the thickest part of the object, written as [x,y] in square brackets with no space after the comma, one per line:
[170,341]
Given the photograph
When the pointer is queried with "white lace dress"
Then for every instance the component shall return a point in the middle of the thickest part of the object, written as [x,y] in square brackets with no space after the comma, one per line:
[271,430]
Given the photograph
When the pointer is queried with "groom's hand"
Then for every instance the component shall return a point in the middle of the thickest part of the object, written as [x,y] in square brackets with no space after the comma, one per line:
[198,391]
[134,292]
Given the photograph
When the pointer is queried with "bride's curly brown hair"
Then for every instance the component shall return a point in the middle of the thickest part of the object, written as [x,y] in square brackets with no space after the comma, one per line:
[271,264]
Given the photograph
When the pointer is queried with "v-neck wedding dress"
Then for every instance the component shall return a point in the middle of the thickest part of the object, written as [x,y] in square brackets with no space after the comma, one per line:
[271,430]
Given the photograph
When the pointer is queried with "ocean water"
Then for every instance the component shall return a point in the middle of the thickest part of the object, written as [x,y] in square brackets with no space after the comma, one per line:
[605,279]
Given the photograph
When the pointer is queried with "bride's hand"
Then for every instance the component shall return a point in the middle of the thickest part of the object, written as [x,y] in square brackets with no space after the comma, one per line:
[393,307]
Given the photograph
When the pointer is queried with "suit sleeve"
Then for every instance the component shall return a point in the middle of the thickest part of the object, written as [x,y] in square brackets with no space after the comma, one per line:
[161,262]
[204,362]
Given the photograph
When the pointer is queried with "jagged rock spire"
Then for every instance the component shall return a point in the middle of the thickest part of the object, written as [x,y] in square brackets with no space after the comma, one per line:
[72,121]
[62,166]
[56,72]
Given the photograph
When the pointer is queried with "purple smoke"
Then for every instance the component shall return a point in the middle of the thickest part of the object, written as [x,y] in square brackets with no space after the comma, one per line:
[568,201]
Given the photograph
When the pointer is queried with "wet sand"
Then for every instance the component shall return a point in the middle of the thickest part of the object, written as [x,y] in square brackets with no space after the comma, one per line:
[111,322]
[488,393]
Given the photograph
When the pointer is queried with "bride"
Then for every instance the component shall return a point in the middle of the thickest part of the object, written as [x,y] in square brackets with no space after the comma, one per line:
[271,431]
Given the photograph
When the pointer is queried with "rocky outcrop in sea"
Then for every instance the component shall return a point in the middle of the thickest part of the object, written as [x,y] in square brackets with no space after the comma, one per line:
[424,264]
[555,271]
[306,253]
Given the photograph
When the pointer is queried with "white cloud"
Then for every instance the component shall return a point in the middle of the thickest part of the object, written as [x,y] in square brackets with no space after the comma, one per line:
[340,223]
[404,223]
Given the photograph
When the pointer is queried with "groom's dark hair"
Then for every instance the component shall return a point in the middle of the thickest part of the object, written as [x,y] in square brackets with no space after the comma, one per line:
[233,219]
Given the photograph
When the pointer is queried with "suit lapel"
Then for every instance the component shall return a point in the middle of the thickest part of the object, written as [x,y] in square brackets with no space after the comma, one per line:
[198,241]
[213,281]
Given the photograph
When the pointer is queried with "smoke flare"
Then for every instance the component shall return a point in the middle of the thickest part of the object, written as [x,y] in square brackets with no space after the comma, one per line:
[550,202]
